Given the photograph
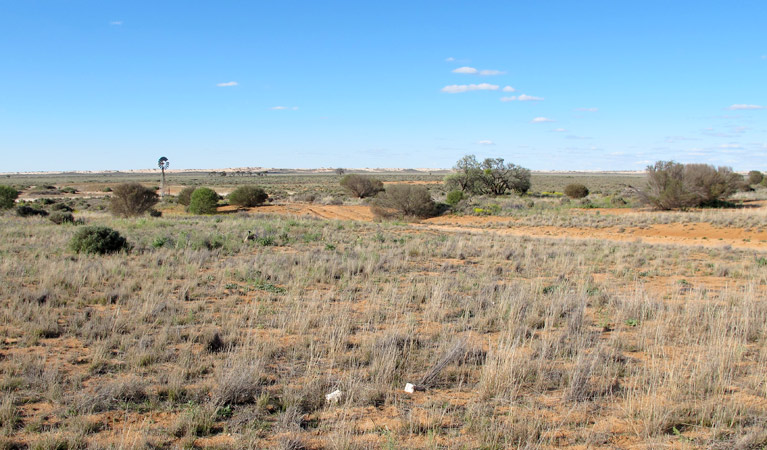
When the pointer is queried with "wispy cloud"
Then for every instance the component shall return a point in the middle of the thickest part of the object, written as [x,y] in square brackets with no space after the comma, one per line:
[486,142]
[739,107]
[509,89]
[284,108]
[459,88]
[488,72]
[559,130]
[587,109]
[522,98]
[541,120]
[116,23]
[449,59]
[227,84]
[465,69]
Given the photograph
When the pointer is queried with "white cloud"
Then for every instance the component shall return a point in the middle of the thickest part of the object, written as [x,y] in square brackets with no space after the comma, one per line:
[509,89]
[465,69]
[449,59]
[284,108]
[458,88]
[522,98]
[738,107]
[486,142]
[559,130]
[116,22]
[730,146]
[587,109]
[491,72]
[541,120]
[227,84]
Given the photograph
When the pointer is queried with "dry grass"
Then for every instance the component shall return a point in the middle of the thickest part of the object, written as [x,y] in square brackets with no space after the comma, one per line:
[198,339]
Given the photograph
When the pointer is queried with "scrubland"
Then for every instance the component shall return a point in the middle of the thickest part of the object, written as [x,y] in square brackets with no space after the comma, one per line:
[197,338]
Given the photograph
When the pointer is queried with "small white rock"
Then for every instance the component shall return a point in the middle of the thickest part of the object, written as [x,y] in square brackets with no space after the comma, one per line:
[333,397]
[409,388]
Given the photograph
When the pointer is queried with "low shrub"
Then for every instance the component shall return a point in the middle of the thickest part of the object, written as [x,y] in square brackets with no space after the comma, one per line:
[576,190]
[8,196]
[185,196]
[361,186]
[755,177]
[203,201]
[61,207]
[61,217]
[28,211]
[132,199]
[98,240]
[671,185]
[247,196]
[453,197]
[404,200]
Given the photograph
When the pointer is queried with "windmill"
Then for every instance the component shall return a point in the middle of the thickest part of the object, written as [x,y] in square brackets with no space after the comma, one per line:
[163,164]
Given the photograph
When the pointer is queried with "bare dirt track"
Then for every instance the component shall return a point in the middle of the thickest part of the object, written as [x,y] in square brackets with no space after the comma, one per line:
[686,234]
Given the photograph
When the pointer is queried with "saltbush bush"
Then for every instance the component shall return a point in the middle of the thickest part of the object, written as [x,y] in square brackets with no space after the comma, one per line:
[404,200]
[98,240]
[247,196]
[203,201]
[28,211]
[185,196]
[132,199]
[8,196]
[576,190]
[61,217]
[361,186]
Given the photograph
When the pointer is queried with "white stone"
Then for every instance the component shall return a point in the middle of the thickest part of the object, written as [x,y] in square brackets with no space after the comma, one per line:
[409,388]
[333,397]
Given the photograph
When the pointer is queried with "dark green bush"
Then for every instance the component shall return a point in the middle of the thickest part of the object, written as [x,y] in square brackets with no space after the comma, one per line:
[28,211]
[61,207]
[8,196]
[132,199]
[203,201]
[755,177]
[361,186]
[98,240]
[61,217]
[576,190]
[404,200]
[185,196]
[248,196]
[453,197]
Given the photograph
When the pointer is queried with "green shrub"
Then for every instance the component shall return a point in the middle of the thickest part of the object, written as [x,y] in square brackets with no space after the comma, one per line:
[98,240]
[671,185]
[61,217]
[8,196]
[203,201]
[755,177]
[453,197]
[404,200]
[61,207]
[576,190]
[27,211]
[185,196]
[132,199]
[248,196]
[361,186]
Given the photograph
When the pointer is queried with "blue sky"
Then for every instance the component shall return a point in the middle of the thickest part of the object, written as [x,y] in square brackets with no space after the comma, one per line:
[564,85]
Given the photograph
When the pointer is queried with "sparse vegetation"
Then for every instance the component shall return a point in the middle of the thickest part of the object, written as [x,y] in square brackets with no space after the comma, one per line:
[361,186]
[132,199]
[672,185]
[203,201]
